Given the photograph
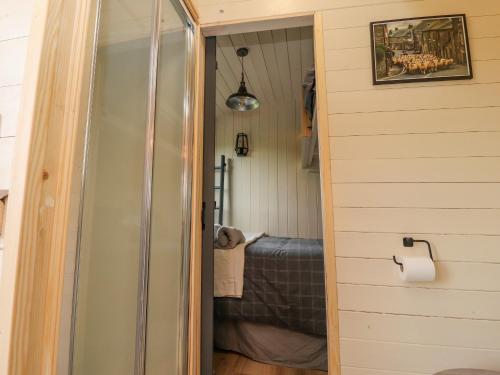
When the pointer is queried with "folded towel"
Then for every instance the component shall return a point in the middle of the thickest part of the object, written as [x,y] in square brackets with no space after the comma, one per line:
[227,237]
[216,229]
[229,267]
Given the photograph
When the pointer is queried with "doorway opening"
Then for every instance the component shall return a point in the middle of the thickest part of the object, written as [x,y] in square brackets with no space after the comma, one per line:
[263,303]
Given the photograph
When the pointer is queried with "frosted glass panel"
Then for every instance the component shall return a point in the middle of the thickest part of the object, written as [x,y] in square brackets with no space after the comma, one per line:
[165,344]
[114,229]
[105,331]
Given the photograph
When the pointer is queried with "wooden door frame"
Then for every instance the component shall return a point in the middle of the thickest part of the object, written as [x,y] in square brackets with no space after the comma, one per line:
[54,105]
[54,112]
[280,22]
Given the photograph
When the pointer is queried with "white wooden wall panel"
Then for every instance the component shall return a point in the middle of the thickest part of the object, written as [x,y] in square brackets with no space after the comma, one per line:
[273,172]
[479,334]
[486,48]
[349,59]
[431,97]
[268,190]
[343,18]
[484,169]
[15,20]
[450,275]
[6,152]
[348,370]
[473,144]
[9,109]
[13,52]
[446,247]
[419,220]
[419,195]
[453,120]
[418,159]
[420,301]
[425,359]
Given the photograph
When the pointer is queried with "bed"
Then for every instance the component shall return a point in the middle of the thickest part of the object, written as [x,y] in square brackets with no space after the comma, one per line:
[283,294]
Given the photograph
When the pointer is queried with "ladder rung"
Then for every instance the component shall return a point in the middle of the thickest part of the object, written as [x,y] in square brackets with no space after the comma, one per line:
[216,187]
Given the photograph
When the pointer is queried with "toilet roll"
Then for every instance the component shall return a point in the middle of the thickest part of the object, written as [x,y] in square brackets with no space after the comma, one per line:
[417,269]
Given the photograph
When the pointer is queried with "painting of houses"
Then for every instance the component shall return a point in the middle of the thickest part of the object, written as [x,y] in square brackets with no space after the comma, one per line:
[401,39]
[420,49]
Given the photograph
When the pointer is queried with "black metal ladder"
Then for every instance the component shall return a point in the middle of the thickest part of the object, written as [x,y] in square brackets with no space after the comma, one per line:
[220,187]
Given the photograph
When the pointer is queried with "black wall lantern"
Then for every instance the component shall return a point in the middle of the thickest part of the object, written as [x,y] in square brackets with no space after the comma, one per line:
[241,147]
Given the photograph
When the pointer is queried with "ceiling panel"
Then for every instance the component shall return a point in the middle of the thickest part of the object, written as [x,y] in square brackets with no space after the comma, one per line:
[238,41]
[293,40]
[274,68]
[256,59]
[283,60]
[273,72]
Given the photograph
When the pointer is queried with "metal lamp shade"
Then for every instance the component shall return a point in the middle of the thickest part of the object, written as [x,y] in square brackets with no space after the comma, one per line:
[242,101]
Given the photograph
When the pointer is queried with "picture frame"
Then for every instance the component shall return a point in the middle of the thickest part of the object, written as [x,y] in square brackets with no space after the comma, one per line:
[420,49]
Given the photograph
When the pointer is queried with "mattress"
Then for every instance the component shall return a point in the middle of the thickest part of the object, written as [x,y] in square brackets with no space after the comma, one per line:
[284,286]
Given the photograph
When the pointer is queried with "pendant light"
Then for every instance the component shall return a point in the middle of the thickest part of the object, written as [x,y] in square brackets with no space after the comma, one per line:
[242,100]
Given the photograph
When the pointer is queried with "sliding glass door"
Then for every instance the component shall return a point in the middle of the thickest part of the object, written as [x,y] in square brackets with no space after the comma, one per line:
[130,302]
[170,219]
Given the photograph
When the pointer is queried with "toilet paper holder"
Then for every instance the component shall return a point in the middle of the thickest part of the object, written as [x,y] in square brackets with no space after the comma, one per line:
[409,242]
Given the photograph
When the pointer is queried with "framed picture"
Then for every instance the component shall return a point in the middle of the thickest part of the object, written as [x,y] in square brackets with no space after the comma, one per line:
[420,49]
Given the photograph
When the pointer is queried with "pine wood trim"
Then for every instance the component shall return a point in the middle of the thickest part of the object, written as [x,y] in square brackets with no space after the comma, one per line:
[194,328]
[54,104]
[275,22]
[327,200]
[192,10]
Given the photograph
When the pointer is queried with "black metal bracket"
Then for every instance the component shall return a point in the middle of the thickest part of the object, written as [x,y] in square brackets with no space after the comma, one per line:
[203,208]
[398,263]
[409,242]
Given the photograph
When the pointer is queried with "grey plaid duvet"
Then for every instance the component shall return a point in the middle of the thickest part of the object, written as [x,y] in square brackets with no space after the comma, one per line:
[283,286]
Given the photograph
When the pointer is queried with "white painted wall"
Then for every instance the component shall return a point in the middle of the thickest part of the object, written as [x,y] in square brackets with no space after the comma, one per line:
[15,20]
[268,190]
[420,159]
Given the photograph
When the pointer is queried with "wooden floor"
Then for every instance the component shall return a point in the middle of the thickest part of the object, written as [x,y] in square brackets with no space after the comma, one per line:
[228,363]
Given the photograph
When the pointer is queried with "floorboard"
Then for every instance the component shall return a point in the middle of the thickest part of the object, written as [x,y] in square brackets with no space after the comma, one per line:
[229,363]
